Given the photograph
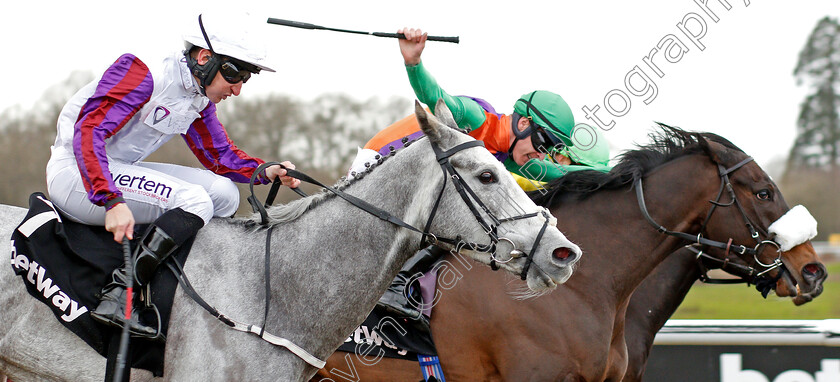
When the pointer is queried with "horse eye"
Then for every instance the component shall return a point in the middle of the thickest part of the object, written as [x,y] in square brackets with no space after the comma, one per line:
[763,195]
[487,177]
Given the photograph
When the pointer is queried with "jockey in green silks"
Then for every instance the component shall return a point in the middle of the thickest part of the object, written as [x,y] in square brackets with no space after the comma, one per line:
[538,142]
[592,152]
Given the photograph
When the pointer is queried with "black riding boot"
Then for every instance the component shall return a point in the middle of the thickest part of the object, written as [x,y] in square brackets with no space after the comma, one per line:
[165,235]
[395,299]
[111,308]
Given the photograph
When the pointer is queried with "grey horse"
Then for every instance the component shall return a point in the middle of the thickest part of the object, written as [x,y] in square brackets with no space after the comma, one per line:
[330,263]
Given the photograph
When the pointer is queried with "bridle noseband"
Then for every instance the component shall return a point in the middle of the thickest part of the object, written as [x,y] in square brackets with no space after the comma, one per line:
[728,246]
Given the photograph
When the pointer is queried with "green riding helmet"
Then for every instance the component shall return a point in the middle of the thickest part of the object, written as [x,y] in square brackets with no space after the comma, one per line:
[549,111]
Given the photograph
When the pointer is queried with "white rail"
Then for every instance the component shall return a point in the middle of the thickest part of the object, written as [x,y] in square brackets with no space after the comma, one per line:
[827,251]
[750,332]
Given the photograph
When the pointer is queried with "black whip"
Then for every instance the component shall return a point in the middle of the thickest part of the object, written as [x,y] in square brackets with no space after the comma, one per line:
[298,24]
[124,337]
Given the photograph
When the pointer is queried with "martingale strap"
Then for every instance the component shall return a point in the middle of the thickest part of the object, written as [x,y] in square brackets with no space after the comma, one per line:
[260,332]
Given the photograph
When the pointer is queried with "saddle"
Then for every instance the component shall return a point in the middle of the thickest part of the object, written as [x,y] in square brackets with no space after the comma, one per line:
[65,264]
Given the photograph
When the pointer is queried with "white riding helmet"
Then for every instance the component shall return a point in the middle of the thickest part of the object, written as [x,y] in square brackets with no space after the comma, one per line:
[232,36]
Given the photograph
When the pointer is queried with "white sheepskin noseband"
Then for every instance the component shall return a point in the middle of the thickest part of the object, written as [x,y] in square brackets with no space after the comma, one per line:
[794,227]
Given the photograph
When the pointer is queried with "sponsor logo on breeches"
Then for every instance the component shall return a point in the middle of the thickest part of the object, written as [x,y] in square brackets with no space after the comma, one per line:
[141,185]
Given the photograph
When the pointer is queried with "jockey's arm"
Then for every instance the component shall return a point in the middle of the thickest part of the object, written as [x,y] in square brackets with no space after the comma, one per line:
[538,171]
[211,145]
[468,113]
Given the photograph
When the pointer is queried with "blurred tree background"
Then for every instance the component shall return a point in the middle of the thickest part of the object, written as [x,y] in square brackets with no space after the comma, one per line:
[320,136]
[812,174]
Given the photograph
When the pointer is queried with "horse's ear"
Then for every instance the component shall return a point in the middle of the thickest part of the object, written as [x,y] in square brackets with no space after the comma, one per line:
[444,115]
[428,123]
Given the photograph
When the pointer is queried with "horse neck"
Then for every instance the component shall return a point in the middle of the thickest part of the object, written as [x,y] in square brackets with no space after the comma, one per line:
[388,188]
[625,247]
[658,296]
[341,258]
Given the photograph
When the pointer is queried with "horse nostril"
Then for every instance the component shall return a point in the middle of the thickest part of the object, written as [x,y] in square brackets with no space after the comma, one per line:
[563,254]
[813,270]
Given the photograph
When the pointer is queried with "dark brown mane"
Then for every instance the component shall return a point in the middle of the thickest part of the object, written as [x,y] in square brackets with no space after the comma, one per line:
[667,144]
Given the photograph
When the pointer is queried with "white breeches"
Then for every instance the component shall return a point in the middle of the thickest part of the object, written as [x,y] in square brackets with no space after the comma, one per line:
[149,190]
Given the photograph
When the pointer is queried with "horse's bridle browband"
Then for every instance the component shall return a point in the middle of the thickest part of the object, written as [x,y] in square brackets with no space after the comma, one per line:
[727,246]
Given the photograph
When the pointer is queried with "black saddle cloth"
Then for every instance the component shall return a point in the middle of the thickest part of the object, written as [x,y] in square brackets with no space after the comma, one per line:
[384,334]
[65,265]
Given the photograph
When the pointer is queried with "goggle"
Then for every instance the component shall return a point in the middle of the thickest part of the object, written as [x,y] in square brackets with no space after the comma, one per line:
[545,142]
[232,73]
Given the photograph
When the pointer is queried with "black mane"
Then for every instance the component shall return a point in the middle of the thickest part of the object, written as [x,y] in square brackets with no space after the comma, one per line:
[668,144]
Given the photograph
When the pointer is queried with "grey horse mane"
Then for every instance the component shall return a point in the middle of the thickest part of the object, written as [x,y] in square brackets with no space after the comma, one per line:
[285,213]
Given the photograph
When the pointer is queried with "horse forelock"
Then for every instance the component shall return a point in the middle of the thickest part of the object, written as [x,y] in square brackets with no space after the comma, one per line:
[667,144]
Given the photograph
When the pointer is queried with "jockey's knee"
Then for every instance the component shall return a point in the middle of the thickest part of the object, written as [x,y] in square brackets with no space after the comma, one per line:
[225,196]
[195,199]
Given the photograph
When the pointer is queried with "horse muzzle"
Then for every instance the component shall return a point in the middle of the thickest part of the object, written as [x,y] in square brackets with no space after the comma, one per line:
[813,276]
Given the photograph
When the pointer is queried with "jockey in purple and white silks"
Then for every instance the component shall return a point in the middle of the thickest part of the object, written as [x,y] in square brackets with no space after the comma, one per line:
[96,174]
[111,125]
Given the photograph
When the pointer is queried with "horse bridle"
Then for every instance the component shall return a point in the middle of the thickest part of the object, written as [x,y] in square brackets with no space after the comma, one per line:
[469,197]
[460,185]
[472,200]
[728,246]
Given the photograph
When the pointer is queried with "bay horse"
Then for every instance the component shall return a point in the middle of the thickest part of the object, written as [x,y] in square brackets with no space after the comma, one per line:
[659,296]
[577,333]
[330,262]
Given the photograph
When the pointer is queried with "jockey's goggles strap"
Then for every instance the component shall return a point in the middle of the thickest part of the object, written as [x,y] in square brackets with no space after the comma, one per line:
[530,107]
[204,33]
